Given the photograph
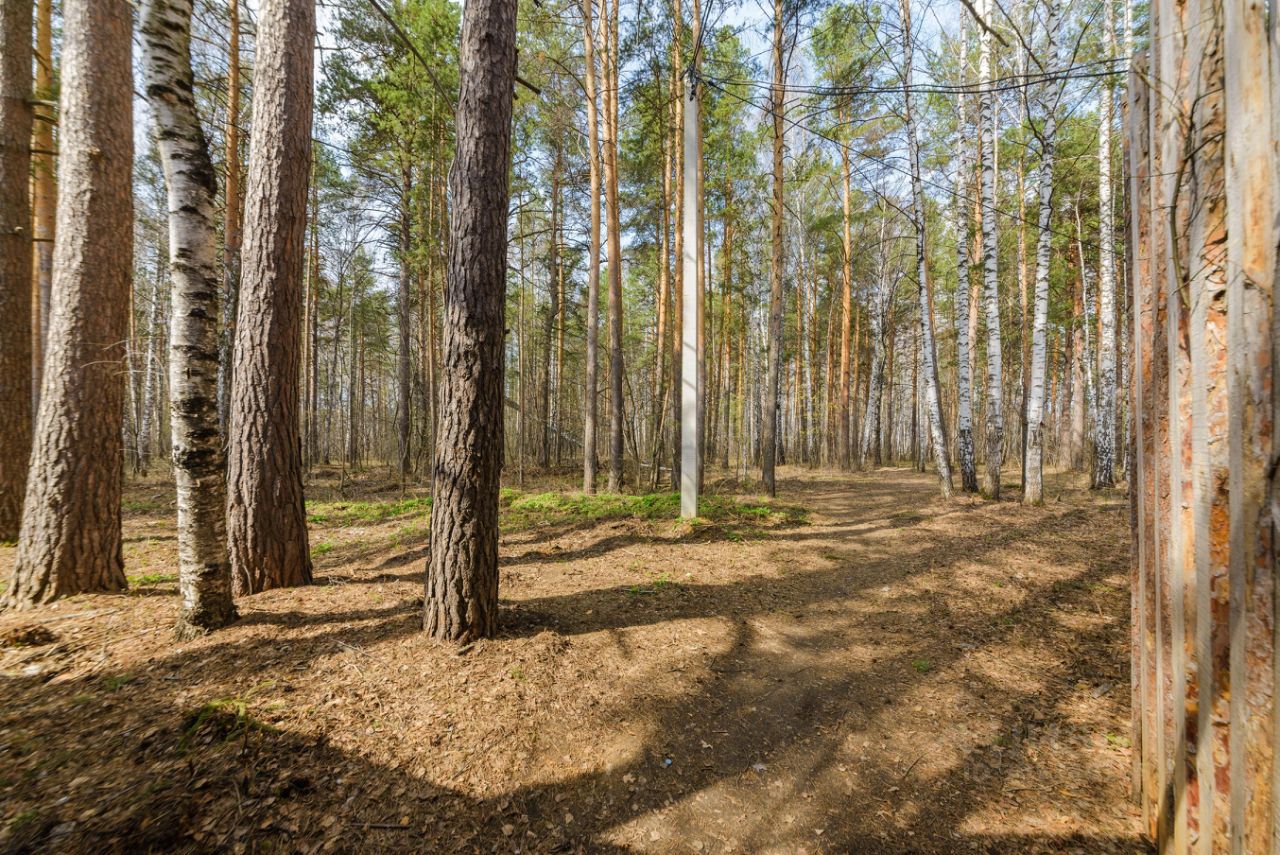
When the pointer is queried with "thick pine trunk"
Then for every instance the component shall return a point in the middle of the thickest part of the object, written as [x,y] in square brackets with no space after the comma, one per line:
[70,540]
[266,517]
[204,569]
[15,261]
[461,601]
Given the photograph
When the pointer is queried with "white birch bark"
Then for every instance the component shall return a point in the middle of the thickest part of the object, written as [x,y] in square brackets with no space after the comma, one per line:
[1033,462]
[990,265]
[204,568]
[1105,427]
[964,380]
[928,353]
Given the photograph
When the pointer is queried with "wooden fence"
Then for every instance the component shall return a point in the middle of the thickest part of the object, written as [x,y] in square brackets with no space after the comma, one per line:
[1201,164]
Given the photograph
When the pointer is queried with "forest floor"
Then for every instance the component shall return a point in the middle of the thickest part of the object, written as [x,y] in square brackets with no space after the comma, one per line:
[859,668]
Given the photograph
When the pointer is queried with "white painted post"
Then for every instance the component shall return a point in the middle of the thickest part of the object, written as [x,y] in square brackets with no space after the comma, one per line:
[689,355]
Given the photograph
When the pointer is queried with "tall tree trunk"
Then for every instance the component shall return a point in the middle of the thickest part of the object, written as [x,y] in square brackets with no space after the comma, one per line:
[769,426]
[616,415]
[1105,444]
[553,310]
[876,309]
[70,540]
[990,266]
[15,260]
[964,366]
[204,568]
[461,601]
[44,188]
[846,301]
[1033,462]
[590,395]
[150,371]
[928,352]
[404,325]
[1075,429]
[677,280]
[232,227]
[266,517]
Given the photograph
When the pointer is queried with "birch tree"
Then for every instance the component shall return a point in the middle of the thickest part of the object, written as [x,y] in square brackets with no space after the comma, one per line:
[990,261]
[964,373]
[928,353]
[71,538]
[1050,95]
[1105,443]
[204,569]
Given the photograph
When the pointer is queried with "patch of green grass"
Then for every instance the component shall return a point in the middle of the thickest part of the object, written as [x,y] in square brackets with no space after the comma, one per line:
[23,819]
[1118,740]
[657,584]
[224,719]
[527,510]
[346,513]
[922,666]
[141,506]
[153,578]
[116,682]
[517,674]
[321,549]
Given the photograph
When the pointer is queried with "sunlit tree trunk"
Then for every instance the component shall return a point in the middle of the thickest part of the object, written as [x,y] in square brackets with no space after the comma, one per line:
[266,518]
[616,400]
[1105,442]
[404,318]
[461,600]
[204,569]
[15,261]
[44,186]
[591,404]
[964,373]
[773,370]
[231,226]
[70,540]
[928,352]
[1033,464]
[990,266]
[846,303]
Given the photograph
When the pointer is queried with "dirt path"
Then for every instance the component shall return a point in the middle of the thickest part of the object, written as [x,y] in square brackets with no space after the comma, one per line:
[896,676]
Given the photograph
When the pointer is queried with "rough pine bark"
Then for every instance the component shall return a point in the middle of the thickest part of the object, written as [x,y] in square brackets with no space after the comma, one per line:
[204,567]
[232,232]
[15,260]
[990,267]
[266,519]
[769,420]
[846,304]
[44,186]
[461,600]
[70,540]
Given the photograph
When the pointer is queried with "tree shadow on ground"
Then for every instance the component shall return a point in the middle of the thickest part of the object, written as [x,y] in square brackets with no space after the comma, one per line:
[163,778]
